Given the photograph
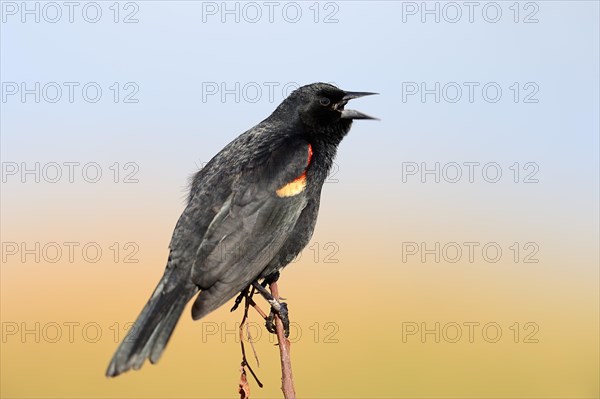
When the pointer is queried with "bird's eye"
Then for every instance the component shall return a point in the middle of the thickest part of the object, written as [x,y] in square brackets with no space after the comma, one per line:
[325,101]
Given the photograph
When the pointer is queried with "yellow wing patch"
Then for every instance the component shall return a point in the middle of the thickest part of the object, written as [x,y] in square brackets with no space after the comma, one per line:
[294,187]
[297,185]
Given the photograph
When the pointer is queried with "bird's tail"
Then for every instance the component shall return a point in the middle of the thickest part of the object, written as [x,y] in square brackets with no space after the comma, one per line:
[151,331]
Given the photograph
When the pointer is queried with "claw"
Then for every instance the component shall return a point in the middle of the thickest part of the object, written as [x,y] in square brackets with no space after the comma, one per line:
[239,299]
[270,323]
[280,309]
[235,305]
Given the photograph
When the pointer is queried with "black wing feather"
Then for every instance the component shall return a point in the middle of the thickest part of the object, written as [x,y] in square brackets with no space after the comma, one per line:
[250,228]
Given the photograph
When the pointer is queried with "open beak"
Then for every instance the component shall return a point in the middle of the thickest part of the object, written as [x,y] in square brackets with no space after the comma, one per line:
[350,113]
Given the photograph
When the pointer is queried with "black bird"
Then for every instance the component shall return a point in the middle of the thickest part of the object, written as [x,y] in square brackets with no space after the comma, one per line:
[250,212]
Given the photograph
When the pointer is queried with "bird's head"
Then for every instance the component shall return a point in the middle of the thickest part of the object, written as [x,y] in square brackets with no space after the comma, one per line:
[321,105]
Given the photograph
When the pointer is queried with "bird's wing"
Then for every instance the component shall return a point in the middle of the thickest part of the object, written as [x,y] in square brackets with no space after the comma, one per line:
[251,226]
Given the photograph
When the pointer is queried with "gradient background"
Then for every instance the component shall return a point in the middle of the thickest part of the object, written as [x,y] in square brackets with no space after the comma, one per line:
[367,211]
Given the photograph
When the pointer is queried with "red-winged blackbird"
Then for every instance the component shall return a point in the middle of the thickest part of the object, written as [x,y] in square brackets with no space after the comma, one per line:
[250,212]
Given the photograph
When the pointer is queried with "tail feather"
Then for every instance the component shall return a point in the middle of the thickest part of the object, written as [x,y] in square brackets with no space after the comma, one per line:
[152,329]
[163,335]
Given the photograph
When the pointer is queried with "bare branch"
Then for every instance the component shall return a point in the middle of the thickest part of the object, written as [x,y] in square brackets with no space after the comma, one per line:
[287,378]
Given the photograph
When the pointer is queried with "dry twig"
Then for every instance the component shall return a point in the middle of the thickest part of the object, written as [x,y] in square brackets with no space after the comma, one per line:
[244,388]
[287,378]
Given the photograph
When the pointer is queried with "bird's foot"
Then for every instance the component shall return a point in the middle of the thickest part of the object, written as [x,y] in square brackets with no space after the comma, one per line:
[280,309]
